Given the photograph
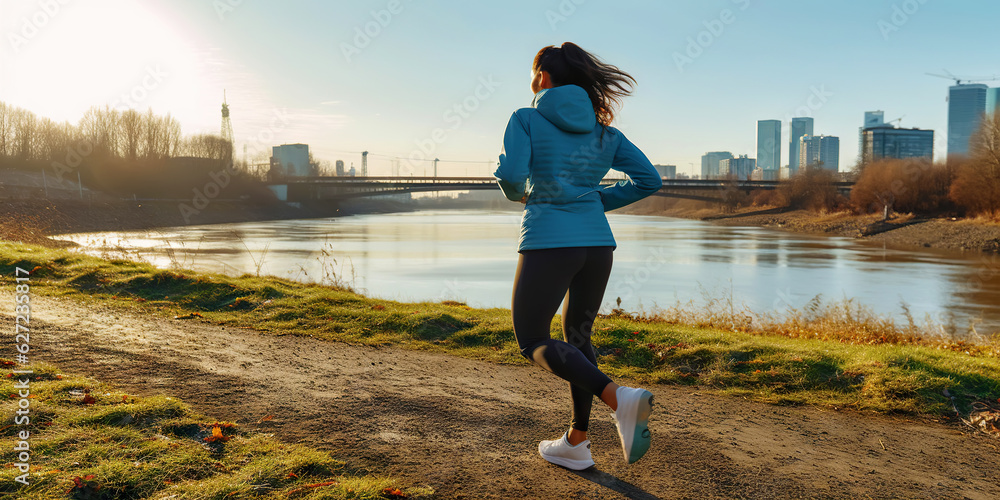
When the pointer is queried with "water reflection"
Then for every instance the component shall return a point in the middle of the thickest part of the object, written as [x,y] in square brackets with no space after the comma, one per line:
[470,256]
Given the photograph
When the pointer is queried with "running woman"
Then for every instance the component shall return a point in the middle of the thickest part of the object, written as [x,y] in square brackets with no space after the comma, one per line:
[554,156]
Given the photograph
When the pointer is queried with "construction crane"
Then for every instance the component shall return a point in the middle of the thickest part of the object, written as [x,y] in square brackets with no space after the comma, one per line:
[958,80]
[898,121]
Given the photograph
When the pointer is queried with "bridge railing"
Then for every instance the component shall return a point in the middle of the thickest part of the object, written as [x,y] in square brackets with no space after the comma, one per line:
[667,183]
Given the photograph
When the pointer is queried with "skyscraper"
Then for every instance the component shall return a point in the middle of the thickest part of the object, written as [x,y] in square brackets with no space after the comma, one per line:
[666,171]
[710,163]
[966,105]
[872,119]
[800,127]
[739,168]
[293,158]
[822,149]
[992,101]
[769,147]
[889,142]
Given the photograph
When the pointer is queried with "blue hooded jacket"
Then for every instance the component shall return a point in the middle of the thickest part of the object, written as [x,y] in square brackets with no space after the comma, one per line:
[556,153]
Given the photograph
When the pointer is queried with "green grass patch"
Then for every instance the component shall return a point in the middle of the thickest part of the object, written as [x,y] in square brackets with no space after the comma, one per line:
[799,365]
[89,440]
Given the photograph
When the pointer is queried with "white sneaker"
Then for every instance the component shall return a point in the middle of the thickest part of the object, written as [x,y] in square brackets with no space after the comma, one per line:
[560,452]
[632,420]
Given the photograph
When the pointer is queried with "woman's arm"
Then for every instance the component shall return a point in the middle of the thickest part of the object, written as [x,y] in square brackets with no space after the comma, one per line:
[643,179]
[515,158]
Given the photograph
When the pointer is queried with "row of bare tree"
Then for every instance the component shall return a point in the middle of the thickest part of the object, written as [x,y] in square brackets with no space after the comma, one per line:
[103,133]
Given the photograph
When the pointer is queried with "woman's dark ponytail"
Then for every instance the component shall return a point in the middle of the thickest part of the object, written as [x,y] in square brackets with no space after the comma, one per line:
[571,65]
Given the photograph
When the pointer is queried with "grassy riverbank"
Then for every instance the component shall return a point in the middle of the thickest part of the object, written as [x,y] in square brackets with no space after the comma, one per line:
[836,357]
[90,440]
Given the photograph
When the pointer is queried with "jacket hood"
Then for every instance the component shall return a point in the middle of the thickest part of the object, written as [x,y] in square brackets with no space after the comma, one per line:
[567,107]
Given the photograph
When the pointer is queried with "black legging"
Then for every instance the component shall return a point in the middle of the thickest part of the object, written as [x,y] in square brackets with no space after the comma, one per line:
[543,279]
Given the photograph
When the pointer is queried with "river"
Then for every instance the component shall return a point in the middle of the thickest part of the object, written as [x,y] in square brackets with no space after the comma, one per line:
[470,256]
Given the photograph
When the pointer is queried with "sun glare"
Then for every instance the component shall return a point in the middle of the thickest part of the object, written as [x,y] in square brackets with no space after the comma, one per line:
[117,53]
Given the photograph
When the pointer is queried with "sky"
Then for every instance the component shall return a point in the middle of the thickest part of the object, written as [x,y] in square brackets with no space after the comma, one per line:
[413,80]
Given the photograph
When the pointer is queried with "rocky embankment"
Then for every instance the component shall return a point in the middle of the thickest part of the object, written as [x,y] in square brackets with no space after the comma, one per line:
[901,231]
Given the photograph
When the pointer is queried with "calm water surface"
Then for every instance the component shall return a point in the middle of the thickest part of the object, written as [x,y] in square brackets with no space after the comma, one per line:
[470,256]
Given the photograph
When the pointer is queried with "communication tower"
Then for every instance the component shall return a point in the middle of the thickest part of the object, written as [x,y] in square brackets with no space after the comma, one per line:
[227,126]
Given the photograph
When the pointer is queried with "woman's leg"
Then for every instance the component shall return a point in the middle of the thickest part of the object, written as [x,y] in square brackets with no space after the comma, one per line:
[583,301]
[542,280]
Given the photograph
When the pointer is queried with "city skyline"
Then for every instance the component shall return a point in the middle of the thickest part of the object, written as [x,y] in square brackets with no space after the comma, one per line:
[384,77]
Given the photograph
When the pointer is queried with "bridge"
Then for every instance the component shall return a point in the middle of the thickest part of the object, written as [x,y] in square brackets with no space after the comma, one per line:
[338,188]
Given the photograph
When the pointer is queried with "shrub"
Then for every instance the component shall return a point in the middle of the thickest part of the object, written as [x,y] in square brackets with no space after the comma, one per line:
[812,189]
[914,185]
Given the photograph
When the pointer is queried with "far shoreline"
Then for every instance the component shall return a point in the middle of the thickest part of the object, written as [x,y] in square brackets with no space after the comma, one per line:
[41,221]
[901,231]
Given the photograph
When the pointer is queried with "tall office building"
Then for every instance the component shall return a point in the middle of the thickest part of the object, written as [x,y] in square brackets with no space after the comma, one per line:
[293,158]
[872,119]
[814,150]
[710,163]
[966,105]
[992,101]
[666,171]
[889,142]
[769,147]
[739,168]
[800,127]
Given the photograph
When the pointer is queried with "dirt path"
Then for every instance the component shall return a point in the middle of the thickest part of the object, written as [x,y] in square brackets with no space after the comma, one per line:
[470,429]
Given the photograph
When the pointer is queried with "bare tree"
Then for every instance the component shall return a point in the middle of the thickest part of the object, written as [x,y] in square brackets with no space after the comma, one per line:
[100,126]
[50,138]
[977,184]
[24,134]
[172,136]
[130,132]
[6,129]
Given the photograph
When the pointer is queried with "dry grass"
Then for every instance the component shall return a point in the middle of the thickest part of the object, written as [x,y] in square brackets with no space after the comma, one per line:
[981,220]
[847,322]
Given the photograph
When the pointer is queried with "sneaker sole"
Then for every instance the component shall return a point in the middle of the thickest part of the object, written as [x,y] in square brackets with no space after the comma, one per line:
[568,462]
[641,437]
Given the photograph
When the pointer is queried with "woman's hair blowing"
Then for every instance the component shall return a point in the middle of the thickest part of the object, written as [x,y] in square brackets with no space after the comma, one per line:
[604,83]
